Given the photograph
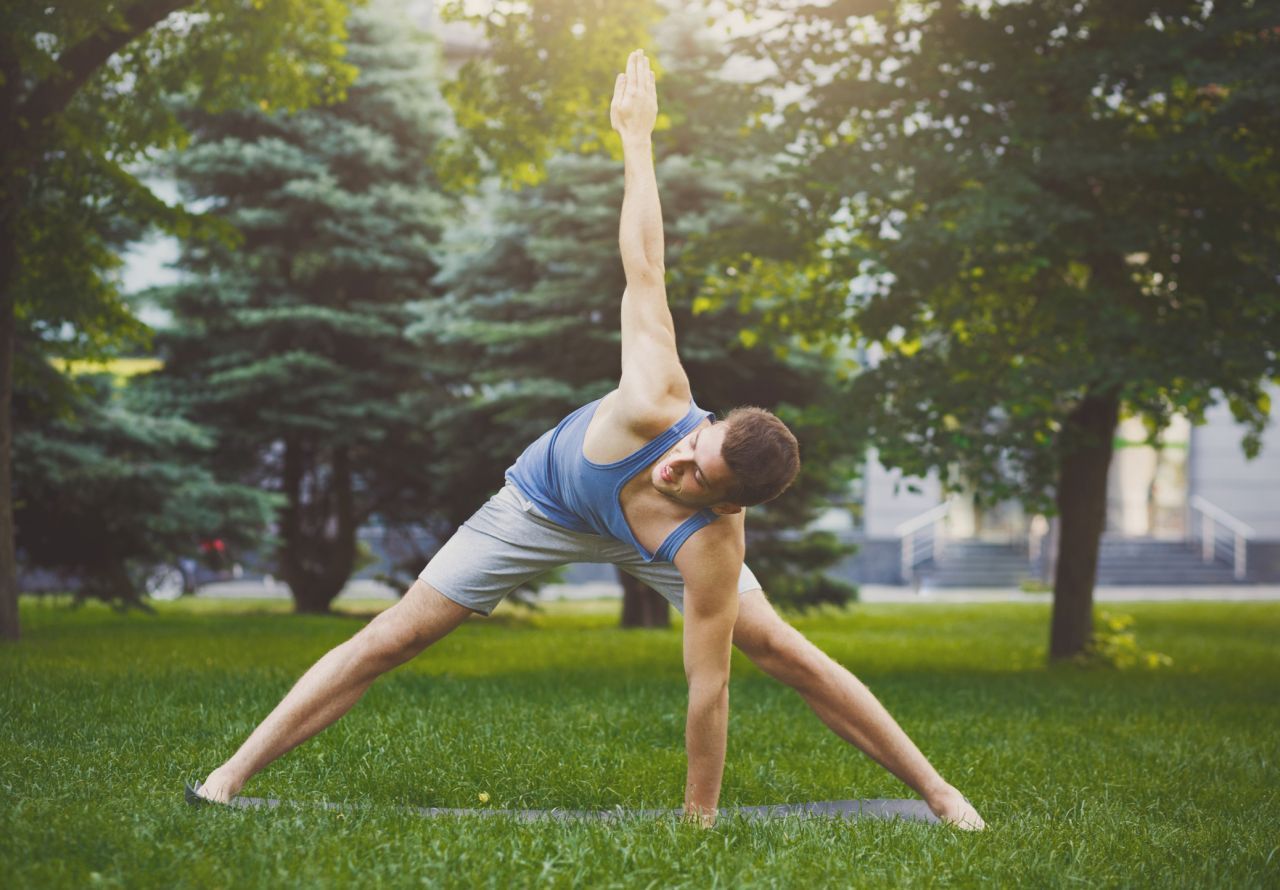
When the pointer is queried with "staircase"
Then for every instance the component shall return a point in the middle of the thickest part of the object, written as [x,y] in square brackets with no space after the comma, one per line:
[976,564]
[1121,561]
[1138,561]
[930,559]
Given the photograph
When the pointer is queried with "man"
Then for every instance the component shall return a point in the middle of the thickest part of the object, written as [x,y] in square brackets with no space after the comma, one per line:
[644,479]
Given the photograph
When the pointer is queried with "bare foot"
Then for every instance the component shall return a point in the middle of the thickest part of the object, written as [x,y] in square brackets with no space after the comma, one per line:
[951,807]
[220,787]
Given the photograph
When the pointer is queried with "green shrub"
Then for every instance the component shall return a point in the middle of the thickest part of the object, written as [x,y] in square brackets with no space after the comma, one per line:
[1115,645]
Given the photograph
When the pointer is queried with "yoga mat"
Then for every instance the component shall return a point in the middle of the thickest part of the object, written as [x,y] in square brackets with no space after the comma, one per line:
[875,808]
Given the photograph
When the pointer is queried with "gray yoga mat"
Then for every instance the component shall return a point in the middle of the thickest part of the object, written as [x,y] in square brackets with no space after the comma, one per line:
[878,808]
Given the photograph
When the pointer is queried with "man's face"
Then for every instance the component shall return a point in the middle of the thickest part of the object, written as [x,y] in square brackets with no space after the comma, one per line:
[694,473]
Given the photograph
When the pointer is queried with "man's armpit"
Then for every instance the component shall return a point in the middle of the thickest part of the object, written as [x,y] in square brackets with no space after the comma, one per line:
[711,569]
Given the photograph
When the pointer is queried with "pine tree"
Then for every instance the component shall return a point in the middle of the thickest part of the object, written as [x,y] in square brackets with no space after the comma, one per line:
[289,340]
[81,100]
[106,489]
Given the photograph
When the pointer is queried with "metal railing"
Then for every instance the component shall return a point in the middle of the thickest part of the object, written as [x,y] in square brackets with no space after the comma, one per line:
[920,539]
[1221,535]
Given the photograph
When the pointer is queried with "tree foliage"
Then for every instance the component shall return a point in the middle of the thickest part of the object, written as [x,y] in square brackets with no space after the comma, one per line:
[83,95]
[1037,212]
[537,88]
[107,489]
[89,93]
[1035,200]
[289,340]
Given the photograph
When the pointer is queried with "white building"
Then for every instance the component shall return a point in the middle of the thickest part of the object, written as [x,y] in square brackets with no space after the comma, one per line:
[1193,510]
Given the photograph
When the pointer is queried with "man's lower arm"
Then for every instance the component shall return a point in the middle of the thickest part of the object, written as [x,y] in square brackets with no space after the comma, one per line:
[706,733]
[640,237]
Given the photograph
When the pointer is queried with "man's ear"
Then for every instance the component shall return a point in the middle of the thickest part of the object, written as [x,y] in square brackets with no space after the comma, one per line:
[726,509]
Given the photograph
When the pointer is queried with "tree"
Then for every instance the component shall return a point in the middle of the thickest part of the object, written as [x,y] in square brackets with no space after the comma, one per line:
[1051,213]
[546,68]
[106,489]
[289,342]
[530,325]
[82,97]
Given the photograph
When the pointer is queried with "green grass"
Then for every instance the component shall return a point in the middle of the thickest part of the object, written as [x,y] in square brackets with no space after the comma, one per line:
[1138,778]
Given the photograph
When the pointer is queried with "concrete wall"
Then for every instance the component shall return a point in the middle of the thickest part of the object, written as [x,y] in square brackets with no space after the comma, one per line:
[1264,562]
[1220,473]
[876,562]
[887,501]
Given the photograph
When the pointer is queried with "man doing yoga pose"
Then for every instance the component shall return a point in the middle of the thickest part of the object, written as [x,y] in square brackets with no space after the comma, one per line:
[643,479]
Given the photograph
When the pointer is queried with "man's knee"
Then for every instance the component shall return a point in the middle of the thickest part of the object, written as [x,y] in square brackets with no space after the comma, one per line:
[387,641]
[421,618]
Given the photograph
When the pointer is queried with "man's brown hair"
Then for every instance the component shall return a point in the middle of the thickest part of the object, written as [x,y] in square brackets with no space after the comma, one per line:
[761,452]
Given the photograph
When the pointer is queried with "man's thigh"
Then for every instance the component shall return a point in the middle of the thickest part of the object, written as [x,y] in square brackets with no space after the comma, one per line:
[757,621]
[775,646]
[425,614]
[502,546]
[665,578]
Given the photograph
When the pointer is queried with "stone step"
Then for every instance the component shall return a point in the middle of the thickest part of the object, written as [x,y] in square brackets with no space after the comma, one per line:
[1156,565]
[969,577]
[1158,578]
[948,560]
[980,581]
[983,546]
[1121,561]
[1165,564]
[1162,550]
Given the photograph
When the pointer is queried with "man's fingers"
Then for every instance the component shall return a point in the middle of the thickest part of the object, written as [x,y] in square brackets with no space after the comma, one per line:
[639,78]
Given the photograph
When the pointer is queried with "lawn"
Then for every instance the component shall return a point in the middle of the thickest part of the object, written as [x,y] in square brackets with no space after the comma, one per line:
[1147,778]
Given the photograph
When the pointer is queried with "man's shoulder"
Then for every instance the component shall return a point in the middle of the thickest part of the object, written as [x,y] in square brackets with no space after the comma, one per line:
[717,545]
[645,419]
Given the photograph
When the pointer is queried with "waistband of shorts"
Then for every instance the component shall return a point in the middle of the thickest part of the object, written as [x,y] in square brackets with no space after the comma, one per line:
[511,490]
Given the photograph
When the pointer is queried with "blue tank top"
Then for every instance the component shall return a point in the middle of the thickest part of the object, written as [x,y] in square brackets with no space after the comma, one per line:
[581,495]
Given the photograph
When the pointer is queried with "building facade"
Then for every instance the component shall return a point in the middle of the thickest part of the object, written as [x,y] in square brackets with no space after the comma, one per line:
[1191,510]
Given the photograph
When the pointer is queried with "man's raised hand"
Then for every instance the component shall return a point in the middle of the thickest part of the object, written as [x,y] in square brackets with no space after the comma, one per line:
[634,109]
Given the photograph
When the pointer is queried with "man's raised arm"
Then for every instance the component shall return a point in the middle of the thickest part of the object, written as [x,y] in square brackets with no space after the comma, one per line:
[651,372]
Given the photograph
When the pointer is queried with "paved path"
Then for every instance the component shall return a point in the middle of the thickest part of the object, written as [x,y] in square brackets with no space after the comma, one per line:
[870,593]
[883,593]
[272,590]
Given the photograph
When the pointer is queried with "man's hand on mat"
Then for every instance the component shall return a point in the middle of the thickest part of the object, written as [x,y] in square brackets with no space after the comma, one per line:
[634,110]
[220,787]
[951,807]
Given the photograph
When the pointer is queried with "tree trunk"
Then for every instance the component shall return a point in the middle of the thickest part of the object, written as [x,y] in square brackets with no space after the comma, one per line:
[315,592]
[8,345]
[642,606]
[318,529]
[1082,510]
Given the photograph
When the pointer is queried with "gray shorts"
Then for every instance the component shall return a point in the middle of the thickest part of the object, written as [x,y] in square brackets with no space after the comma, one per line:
[508,542]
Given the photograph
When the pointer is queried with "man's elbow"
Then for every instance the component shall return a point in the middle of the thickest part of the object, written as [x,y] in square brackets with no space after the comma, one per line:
[642,269]
[647,275]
